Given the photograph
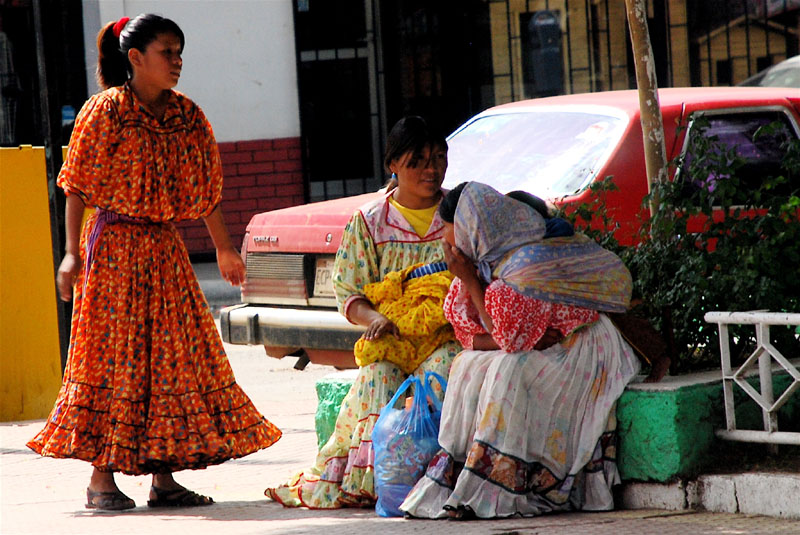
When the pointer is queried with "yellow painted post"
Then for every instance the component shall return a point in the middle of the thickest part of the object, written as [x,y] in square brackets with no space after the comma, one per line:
[30,361]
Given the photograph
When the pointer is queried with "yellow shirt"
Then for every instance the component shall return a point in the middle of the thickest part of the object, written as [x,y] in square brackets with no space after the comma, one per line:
[419,219]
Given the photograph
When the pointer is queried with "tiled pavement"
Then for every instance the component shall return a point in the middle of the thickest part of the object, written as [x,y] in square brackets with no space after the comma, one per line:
[46,496]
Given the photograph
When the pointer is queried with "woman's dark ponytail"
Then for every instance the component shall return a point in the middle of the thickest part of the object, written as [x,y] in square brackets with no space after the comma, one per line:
[112,64]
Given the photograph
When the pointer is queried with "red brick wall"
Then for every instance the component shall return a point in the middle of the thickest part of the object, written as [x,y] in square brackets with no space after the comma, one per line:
[260,175]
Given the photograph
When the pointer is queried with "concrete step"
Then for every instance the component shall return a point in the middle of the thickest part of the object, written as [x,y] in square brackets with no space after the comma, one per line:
[768,494]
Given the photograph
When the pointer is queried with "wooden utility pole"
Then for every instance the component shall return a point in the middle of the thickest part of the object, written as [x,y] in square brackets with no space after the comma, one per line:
[650,110]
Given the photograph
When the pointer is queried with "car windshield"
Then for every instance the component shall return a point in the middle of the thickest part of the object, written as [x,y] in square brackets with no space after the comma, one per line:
[549,152]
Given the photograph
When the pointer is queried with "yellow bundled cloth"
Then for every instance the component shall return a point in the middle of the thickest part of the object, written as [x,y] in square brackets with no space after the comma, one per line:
[415,306]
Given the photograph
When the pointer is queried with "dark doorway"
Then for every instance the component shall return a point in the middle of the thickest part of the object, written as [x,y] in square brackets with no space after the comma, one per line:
[19,79]
[362,65]
[657,28]
[336,104]
[437,57]
[336,126]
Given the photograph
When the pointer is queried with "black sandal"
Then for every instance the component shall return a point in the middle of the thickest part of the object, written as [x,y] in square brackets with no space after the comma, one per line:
[108,501]
[177,498]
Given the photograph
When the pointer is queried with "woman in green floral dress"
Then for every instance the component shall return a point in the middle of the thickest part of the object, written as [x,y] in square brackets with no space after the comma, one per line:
[400,229]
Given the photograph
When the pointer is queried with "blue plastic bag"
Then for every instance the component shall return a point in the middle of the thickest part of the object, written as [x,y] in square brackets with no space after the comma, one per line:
[404,441]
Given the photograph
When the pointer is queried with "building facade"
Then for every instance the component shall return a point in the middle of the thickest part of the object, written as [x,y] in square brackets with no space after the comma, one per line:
[365,63]
[301,93]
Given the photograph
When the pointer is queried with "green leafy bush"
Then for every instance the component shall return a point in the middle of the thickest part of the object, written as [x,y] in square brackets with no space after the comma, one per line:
[745,255]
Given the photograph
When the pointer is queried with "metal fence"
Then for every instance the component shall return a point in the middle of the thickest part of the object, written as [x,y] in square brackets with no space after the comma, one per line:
[695,42]
[764,355]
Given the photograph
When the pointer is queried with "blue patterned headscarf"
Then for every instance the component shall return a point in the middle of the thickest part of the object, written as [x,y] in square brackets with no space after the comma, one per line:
[504,237]
[488,225]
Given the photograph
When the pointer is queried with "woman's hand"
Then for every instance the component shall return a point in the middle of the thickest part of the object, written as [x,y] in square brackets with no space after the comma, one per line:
[67,272]
[71,263]
[462,267]
[459,264]
[379,326]
[550,338]
[484,342]
[231,265]
[361,312]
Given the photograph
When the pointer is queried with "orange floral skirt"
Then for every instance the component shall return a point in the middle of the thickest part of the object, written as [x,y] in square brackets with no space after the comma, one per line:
[148,387]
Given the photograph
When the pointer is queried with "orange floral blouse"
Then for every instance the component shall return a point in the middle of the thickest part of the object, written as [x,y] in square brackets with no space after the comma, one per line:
[122,159]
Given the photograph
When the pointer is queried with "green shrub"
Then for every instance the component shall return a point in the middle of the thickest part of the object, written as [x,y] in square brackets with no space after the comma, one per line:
[744,257]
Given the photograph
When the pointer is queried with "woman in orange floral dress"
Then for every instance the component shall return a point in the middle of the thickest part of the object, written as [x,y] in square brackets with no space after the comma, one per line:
[147,388]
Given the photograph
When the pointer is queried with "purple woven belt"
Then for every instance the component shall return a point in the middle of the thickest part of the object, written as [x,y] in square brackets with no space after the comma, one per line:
[104,217]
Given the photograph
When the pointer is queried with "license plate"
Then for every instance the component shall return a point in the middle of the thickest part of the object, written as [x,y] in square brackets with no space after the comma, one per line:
[323,278]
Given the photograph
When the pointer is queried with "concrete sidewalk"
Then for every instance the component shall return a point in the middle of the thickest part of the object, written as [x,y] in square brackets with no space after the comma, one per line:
[46,496]
[759,493]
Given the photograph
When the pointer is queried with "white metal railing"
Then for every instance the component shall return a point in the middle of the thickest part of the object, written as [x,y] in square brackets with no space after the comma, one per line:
[764,353]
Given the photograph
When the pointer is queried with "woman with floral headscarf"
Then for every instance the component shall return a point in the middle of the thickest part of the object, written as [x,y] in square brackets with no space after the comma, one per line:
[528,422]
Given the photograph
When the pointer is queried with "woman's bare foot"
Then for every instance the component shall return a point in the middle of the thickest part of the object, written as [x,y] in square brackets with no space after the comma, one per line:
[165,482]
[102,481]
[461,513]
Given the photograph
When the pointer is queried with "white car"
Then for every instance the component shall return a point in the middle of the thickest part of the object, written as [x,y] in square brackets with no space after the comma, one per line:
[783,74]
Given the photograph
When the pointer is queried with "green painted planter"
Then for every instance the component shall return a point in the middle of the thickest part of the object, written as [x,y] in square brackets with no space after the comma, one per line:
[666,430]
[666,433]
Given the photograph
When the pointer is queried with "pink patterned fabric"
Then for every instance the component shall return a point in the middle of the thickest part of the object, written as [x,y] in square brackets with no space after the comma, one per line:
[518,321]
[387,224]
